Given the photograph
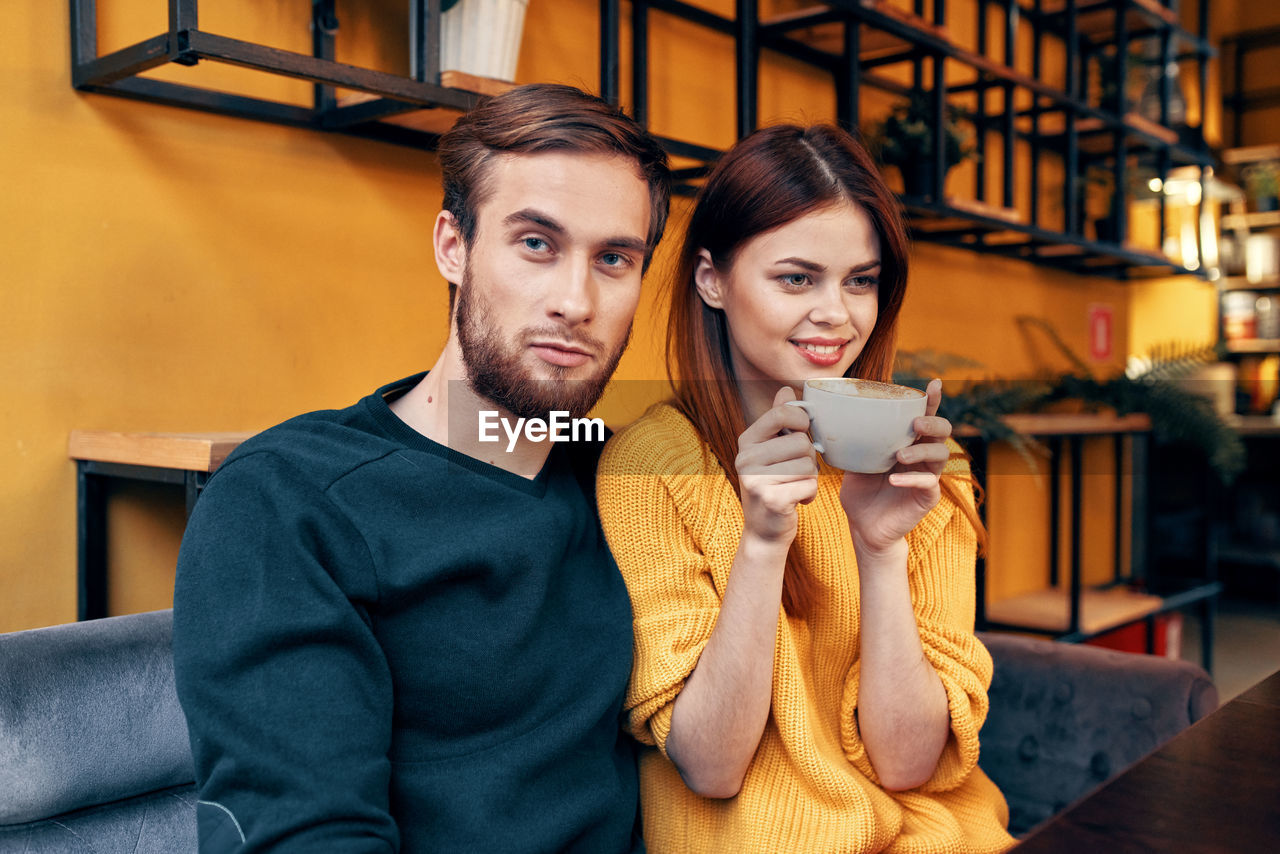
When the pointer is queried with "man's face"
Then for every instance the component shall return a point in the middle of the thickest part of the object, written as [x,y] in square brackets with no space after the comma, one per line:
[552,280]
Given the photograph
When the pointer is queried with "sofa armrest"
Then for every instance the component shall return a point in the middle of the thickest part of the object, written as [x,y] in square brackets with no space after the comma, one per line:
[1065,718]
[88,716]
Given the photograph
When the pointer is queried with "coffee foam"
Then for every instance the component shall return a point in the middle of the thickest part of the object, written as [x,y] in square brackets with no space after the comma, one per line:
[866,388]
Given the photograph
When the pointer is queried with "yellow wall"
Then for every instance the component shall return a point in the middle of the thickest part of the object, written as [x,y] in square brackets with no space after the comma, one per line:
[170,270]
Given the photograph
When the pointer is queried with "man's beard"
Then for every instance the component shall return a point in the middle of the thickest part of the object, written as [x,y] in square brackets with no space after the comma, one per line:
[495,368]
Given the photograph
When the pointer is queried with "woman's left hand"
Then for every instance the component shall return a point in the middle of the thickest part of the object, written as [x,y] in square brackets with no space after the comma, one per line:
[883,508]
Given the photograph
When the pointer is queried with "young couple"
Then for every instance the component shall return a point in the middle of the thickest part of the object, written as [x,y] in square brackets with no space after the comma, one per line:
[391,635]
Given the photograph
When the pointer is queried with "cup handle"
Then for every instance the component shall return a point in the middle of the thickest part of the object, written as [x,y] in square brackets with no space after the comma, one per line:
[805,405]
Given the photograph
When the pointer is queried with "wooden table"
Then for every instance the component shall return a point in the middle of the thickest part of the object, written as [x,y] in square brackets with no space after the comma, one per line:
[1213,788]
[186,459]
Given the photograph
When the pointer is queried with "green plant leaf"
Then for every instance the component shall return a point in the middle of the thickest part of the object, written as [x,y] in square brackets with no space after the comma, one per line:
[1154,387]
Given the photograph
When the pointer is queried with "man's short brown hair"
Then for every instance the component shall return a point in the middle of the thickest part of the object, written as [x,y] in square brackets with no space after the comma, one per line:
[543,117]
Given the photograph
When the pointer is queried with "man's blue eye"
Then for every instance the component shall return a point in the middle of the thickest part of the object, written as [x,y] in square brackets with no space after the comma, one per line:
[613,259]
[535,243]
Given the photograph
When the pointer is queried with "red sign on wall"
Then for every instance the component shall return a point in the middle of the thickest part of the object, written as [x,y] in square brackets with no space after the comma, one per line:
[1100,332]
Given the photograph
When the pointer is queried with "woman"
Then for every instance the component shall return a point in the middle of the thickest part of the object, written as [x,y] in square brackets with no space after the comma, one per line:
[805,662]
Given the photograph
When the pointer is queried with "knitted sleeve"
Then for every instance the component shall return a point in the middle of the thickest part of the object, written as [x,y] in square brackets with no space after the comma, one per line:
[940,571]
[647,474]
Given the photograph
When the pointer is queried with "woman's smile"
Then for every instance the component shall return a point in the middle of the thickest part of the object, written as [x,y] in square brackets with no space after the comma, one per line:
[823,352]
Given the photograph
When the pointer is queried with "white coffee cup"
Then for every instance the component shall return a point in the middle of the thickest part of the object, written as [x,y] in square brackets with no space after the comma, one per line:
[860,425]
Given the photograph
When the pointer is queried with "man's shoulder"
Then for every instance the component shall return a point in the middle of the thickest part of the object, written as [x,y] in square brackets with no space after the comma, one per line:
[316,447]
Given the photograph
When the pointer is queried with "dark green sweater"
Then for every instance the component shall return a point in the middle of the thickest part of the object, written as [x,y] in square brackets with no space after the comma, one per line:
[382,644]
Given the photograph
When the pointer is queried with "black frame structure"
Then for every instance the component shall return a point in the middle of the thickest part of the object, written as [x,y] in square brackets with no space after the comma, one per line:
[1235,98]
[93,481]
[1082,134]
[184,43]
[1176,596]
[1060,123]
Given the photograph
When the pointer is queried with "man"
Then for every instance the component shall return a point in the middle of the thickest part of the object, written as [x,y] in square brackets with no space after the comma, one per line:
[392,632]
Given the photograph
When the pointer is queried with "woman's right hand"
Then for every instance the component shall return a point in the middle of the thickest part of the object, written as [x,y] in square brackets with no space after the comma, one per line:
[720,714]
[777,469]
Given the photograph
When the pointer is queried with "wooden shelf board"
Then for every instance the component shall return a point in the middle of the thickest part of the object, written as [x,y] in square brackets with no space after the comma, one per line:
[1095,133]
[1063,250]
[1068,424]
[911,20]
[983,209]
[1050,609]
[1150,128]
[1154,8]
[940,224]
[1241,283]
[1251,154]
[182,451]
[1007,238]
[1253,219]
[829,37]
[475,83]
[436,120]
[1077,423]
[1254,345]
[1096,19]
[1254,425]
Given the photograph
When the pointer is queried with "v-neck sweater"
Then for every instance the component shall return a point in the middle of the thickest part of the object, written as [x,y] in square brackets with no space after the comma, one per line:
[383,644]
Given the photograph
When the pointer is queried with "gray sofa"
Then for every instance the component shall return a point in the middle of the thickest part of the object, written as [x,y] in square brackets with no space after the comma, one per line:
[1065,718]
[93,745]
[94,754]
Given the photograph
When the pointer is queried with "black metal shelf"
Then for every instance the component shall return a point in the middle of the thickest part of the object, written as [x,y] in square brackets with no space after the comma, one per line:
[1240,283]
[184,43]
[850,39]
[1096,21]
[1069,610]
[1251,220]
[1252,346]
[1235,99]
[1095,137]
[961,225]
[854,39]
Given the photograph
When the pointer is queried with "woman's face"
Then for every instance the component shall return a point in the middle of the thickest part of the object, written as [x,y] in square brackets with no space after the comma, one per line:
[800,300]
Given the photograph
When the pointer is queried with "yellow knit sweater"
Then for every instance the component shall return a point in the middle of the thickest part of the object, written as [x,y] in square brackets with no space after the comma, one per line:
[674,522]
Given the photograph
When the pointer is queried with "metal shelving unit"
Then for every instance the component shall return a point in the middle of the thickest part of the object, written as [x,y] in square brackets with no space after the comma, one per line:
[1241,223]
[857,40]
[1069,610]
[1236,99]
[385,96]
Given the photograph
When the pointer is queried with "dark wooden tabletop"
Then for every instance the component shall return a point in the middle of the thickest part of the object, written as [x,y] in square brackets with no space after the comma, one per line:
[1213,788]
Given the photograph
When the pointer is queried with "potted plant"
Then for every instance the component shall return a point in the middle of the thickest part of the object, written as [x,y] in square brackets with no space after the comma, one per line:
[1262,182]
[905,139]
[1100,207]
[1155,385]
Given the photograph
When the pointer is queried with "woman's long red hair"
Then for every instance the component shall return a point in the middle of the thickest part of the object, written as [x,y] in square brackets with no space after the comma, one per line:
[770,178]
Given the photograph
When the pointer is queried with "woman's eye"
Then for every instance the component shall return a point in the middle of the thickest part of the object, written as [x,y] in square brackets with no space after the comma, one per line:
[795,280]
[863,283]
